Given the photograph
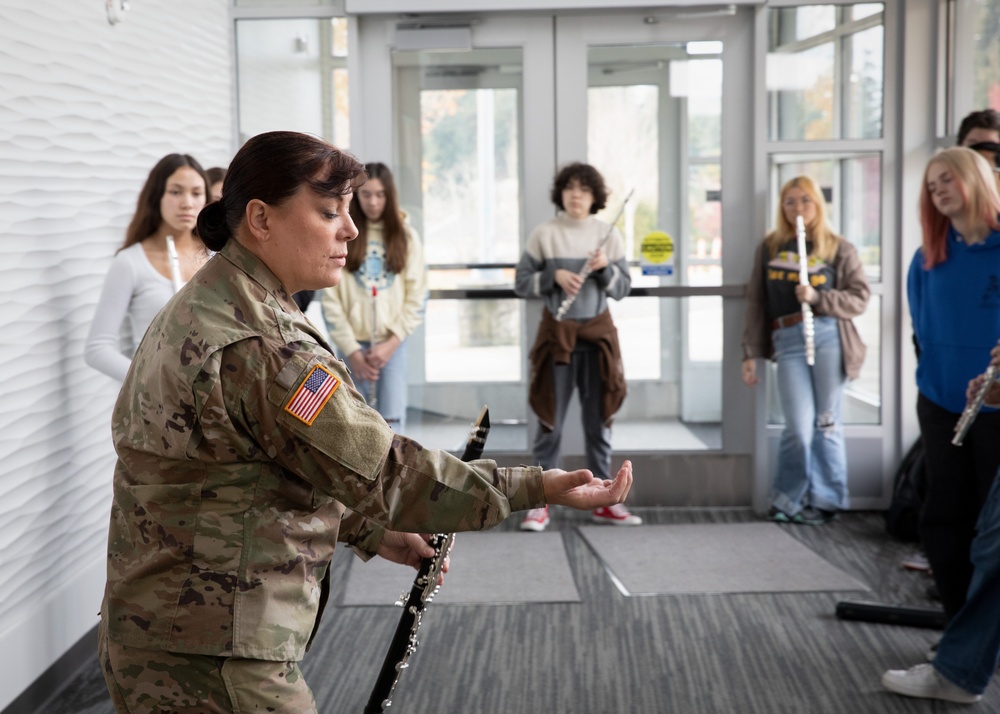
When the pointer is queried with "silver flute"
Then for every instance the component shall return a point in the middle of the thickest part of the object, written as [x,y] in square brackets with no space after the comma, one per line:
[568,300]
[973,407]
[175,266]
[808,327]
[373,387]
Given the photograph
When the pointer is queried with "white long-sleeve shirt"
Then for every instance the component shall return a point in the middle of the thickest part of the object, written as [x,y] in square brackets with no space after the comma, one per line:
[133,293]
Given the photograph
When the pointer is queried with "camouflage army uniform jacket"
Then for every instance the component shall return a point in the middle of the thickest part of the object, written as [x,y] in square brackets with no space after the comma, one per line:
[241,444]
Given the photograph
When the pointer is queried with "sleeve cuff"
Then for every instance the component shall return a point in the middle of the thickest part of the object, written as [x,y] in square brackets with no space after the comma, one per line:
[362,535]
[523,486]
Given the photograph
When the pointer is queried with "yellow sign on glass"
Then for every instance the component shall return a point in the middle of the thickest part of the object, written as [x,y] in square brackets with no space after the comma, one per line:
[656,254]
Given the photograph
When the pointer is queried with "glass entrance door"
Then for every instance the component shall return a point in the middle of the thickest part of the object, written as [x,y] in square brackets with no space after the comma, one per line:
[477,125]
[479,132]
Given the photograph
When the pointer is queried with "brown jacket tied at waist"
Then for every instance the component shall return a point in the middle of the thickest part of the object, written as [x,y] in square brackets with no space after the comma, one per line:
[555,343]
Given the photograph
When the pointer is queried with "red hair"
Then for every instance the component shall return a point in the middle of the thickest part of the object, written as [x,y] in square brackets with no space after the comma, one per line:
[976,185]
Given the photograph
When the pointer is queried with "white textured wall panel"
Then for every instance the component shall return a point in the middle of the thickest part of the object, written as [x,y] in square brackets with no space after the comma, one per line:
[86,109]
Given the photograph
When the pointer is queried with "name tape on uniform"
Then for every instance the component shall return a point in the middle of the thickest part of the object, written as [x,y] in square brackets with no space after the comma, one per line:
[309,400]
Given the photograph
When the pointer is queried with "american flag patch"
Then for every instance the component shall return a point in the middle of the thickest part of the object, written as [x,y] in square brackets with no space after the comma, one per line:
[312,396]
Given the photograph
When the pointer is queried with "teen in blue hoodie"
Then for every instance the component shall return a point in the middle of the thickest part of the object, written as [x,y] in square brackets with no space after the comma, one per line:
[954,292]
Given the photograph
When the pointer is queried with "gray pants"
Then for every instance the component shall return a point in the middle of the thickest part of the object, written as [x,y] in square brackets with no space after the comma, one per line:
[584,372]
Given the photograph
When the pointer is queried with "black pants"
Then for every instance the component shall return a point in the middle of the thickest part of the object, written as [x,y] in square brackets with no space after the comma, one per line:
[958,482]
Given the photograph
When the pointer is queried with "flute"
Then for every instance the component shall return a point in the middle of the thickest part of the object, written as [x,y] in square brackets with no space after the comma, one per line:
[175,268]
[973,407]
[586,271]
[372,397]
[808,328]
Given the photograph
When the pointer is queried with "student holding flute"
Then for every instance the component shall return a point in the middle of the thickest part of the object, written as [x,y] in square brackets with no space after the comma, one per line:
[380,302]
[161,252]
[953,288]
[574,264]
[969,652]
[811,482]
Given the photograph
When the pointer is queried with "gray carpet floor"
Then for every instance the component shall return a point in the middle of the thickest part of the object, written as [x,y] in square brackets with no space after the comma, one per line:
[710,558]
[475,575]
[692,654]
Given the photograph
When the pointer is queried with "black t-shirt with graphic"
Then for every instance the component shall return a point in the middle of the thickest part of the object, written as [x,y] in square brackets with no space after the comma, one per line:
[781,275]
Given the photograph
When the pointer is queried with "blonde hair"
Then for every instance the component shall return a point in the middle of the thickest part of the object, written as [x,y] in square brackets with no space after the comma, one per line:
[824,241]
[978,189]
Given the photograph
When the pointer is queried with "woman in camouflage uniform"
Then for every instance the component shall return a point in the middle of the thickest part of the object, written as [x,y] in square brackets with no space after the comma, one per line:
[245,454]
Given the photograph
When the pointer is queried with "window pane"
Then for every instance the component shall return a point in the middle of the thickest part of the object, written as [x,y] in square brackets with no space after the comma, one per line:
[681,410]
[704,249]
[470,175]
[800,90]
[289,78]
[801,23]
[459,148]
[865,9]
[861,211]
[704,84]
[985,64]
[826,83]
[638,323]
[864,95]
[338,44]
[467,339]
[862,400]
[623,143]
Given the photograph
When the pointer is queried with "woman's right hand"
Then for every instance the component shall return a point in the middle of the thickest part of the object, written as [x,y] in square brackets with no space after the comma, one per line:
[750,372]
[361,368]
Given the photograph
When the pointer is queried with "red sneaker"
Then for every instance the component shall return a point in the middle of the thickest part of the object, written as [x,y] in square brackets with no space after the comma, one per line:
[616,515]
[537,520]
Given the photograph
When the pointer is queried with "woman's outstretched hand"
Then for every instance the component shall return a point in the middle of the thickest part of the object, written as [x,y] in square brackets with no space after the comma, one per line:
[583,491]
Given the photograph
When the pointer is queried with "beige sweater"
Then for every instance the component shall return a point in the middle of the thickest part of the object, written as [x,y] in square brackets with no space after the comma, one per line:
[347,307]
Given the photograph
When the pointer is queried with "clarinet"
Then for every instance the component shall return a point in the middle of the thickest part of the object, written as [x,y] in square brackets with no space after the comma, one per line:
[425,586]
[808,328]
[586,271]
[973,407]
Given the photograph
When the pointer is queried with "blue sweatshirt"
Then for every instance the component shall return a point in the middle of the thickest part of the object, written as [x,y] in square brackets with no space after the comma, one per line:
[955,308]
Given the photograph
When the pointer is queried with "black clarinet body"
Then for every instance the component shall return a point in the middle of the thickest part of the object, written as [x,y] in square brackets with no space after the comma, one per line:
[425,585]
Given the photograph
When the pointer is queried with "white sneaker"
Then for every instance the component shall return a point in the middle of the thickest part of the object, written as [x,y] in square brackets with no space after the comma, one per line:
[924,682]
[537,520]
[616,515]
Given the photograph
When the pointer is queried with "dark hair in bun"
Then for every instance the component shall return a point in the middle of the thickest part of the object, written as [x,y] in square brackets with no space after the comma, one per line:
[212,227]
[271,167]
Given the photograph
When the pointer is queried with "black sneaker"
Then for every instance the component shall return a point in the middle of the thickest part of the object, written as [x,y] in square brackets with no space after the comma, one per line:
[810,516]
[778,516]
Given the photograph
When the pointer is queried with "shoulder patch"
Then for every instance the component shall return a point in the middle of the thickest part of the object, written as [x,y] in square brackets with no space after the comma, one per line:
[309,399]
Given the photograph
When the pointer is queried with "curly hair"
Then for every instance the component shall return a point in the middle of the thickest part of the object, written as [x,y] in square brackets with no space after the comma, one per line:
[588,176]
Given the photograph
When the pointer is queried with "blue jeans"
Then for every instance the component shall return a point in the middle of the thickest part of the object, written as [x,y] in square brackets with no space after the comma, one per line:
[812,459]
[391,388]
[969,652]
